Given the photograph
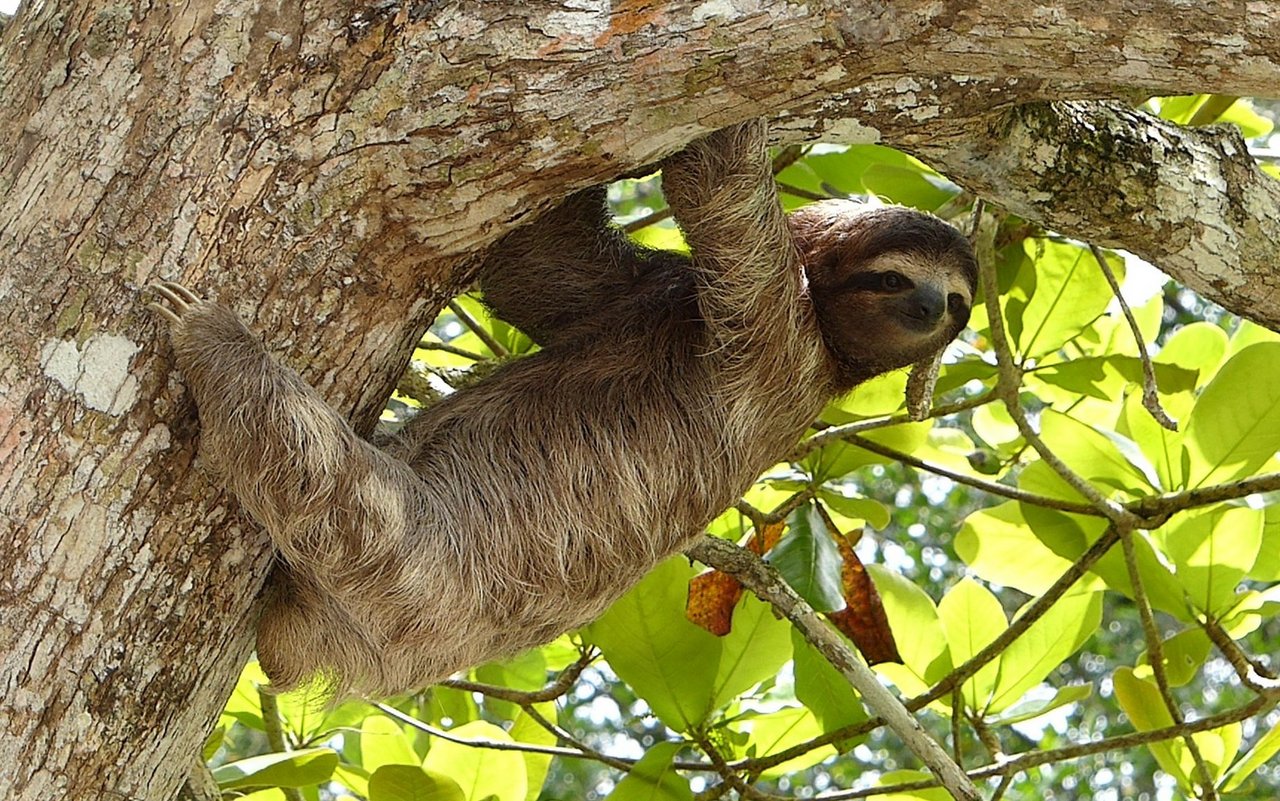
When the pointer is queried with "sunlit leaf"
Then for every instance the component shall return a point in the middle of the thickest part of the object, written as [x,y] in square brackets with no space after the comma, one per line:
[1184,654]
[999,545]
[1030,710]
[770,732]
[1235,426]
[479,772]
[1070,293]
[1141,701]
[872,511]
[756,649]
[971,618]
[917,630]
[653,778]
[1267,746]
[668,661]
[1212,549]
[823,689]
[1267,566]
[412,783]
[527,730]
[289,769]
[383,741]
[1103,457]
[1058,634]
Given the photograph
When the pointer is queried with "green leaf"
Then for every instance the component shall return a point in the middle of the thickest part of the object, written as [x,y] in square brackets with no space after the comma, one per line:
[1235,426]
[412,783]
[1163,589]
[300,768]
[917,630]
[384,742]
[1030,710]
[755,649]
[1184,653]
[527,730]
[1261,753]
[999,545]
[671,663]
[893,777]
[480,772]
[213,742]
[1199,346]
[837,459]
[770,732]
[1163,448]
[653,778]
[1212,549]
[1141,701]
[971,618]
[809,560]
[1028,660]
[823,689]
[244,705]
[871,511]
[1267,566]
[908,186]
[1070,293]
[1102,457]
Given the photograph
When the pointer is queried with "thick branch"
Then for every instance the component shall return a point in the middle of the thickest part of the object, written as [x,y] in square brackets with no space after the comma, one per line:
[1190,201]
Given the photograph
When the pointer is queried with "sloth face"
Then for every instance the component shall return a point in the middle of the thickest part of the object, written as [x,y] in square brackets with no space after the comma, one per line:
[890,286]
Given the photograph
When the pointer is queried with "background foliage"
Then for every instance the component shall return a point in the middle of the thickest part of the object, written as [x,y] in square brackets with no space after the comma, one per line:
[963,522]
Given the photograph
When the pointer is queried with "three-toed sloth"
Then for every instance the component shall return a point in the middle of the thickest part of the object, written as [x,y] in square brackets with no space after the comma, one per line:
[520,507]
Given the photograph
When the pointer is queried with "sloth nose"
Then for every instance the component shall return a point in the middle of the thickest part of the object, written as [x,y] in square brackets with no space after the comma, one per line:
[925,305]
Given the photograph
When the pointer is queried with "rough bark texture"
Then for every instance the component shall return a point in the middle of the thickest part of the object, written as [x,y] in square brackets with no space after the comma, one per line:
[329,172]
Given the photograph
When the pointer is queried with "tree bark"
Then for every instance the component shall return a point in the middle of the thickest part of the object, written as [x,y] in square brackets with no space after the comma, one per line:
[330,171]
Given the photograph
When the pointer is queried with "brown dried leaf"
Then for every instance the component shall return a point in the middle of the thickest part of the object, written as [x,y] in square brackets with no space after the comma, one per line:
[863,620]
[713,595]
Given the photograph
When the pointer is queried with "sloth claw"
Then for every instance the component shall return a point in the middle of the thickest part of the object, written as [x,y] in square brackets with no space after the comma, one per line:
[175,300]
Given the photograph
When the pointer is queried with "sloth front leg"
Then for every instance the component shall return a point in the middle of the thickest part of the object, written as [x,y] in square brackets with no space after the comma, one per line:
[332,503]
[722,194]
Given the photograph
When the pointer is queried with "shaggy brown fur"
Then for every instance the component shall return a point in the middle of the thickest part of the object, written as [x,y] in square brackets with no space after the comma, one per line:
[519,508]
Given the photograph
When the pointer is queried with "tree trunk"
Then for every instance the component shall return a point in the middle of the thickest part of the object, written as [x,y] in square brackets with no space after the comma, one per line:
[330,172]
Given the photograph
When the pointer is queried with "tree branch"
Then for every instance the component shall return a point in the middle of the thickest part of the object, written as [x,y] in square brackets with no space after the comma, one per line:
[768,586]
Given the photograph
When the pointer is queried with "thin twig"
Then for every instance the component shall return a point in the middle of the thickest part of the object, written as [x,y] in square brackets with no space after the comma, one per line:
[445,347]
[1166,505]
[992,487]
[585,749]
[834,433]
[1033,613]
[562,684]
[764,581]
[1011,379]
[796,191]
[1251,674]
[479,330]
[727,774]
[273,727]
[1150,397]
[499,745]
[1155,658]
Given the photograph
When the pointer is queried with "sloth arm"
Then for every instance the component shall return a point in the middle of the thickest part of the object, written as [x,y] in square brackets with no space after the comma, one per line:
[745,264]
[571,273]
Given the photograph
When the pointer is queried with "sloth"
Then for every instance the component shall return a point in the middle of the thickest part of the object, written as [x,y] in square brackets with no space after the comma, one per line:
[520,507]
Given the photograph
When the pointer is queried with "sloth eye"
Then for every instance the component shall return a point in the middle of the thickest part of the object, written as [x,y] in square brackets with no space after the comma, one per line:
[955,303]
[893,282]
